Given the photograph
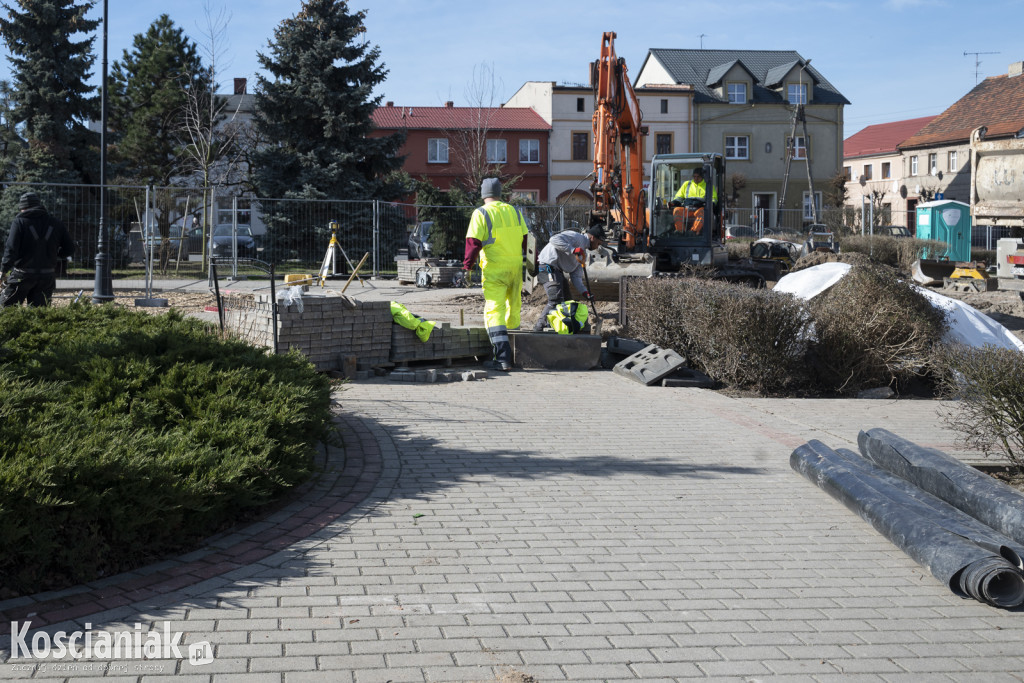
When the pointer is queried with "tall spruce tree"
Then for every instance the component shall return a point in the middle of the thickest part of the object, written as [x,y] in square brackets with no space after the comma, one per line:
[149,92]
[52,100]
[318,107]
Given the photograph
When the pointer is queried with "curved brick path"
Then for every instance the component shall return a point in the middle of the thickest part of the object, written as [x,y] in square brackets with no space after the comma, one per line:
[347,476]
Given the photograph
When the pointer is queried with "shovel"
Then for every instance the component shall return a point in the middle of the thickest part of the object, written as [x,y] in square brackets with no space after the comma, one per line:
[593,306]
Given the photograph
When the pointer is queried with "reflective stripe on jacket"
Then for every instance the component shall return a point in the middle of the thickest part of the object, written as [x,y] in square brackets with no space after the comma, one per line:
[500,227]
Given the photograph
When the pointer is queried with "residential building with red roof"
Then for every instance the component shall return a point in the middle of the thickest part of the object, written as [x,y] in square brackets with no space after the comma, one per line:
[441,141]
[936,159]
[874,171]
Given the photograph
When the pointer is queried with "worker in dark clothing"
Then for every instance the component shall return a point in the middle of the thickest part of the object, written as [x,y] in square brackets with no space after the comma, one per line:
[36,243]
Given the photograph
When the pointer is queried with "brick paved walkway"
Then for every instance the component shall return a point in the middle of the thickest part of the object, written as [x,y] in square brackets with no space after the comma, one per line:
[574,526]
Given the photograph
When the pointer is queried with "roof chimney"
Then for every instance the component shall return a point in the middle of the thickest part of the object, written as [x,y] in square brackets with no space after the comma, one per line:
[1016,69]
[449,104]
[389,104]
[239,86]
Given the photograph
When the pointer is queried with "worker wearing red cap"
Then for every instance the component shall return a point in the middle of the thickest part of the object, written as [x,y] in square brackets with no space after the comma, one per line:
[497,237]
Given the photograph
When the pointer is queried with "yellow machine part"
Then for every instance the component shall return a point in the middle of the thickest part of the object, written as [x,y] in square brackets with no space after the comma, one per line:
[969,270]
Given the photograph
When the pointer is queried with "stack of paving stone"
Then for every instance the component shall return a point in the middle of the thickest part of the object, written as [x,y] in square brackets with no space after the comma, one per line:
[441,272]
[328,329]
[445,343]
[331,328]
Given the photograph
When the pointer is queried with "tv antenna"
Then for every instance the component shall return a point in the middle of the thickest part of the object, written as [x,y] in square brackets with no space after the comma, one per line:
[977,62]
[702,40]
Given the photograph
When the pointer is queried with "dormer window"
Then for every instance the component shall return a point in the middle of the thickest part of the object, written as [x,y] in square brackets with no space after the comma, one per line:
[797,93]
[737,93]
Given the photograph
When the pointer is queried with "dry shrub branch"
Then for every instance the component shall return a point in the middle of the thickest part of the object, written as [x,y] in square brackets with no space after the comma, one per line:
[989,383]
[746,338]
[872,329]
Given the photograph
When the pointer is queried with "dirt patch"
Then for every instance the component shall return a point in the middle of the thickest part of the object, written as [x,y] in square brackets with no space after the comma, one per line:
[185,302]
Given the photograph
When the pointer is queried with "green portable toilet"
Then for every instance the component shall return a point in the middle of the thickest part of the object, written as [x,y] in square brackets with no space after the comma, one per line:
[949,221]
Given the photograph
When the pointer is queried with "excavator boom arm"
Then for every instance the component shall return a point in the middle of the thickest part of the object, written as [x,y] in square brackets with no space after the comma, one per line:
[618,147]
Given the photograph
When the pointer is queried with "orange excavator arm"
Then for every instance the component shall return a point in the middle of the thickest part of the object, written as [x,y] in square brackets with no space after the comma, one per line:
[618,186]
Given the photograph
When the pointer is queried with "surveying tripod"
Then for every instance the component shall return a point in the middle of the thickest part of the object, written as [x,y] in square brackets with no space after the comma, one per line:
[330,264]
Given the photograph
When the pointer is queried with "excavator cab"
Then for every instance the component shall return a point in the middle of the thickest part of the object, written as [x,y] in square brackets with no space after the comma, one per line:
[685,227]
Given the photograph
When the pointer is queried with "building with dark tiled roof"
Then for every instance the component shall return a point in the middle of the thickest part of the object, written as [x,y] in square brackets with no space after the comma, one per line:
[874,172]
[936,159]
[440,140]
[743,107]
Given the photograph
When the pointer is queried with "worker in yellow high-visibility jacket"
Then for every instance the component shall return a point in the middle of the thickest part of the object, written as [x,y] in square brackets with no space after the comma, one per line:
[497,236]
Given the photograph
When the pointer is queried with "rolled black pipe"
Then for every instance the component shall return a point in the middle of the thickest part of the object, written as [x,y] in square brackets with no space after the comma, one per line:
[938,511]
[979,495]
[989,573]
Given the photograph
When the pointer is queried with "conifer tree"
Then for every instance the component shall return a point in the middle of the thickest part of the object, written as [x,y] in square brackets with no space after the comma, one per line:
[52,100]
[149,92]
[317,108]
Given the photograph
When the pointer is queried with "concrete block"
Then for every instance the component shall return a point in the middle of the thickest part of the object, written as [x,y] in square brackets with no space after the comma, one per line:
[650,365]
[555,351]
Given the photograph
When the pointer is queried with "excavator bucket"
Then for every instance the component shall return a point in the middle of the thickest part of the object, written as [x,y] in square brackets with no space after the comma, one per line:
[605,272]
[931,272]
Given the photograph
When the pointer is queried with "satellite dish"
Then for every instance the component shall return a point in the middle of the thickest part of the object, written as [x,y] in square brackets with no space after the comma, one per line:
[862,180]
[895,186]
[903,191]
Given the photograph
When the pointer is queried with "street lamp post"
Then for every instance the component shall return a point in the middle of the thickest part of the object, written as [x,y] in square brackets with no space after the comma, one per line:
[103,290]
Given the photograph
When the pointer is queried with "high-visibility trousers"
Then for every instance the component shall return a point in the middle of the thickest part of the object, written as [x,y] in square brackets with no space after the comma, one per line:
[503,301]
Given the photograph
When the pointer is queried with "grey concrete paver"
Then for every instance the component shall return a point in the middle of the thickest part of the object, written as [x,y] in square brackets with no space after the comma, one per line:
[577,526]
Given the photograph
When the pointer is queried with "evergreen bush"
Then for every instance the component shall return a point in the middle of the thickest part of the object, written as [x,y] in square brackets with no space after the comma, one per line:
[124,436]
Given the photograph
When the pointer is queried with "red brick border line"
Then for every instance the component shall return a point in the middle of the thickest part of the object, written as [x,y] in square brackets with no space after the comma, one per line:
[317,503]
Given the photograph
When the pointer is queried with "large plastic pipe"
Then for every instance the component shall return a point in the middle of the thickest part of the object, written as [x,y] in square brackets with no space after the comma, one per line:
[979,495]
[965,556]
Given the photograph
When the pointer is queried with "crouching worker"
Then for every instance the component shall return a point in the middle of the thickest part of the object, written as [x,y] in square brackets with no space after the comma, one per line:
[559,262]
[497,236]
[569,317]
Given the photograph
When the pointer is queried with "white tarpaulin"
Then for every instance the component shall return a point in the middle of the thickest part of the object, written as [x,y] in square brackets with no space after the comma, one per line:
[967,325]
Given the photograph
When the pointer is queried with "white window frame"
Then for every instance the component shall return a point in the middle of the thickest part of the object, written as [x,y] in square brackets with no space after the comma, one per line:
[529,151]
[497,151]
[797,93]
[808,211]
[737,150]
[528,195]
[933,162]
[913,165]
[435,149]
[736,93]
[799,146]
[952,161]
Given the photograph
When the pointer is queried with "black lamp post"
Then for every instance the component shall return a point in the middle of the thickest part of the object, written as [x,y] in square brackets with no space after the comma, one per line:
[103,290]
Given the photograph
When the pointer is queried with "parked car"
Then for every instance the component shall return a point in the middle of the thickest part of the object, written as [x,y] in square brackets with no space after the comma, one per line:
[222,242]
[419,240]
[893,231]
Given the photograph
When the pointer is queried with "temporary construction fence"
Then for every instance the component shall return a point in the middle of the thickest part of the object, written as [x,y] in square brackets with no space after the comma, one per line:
[172,232]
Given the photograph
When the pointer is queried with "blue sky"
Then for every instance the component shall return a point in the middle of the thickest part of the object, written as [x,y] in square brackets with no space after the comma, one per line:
[893,59]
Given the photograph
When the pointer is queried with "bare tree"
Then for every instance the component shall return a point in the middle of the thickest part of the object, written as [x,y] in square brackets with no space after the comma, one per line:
[469,144]
[211,125]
